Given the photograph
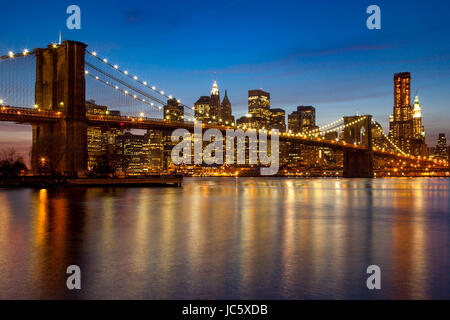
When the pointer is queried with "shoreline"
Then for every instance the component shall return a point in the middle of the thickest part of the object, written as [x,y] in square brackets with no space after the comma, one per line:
[163,181]
[50,182]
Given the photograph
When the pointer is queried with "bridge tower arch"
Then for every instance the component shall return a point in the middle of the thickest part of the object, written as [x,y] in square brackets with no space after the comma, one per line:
[358,163]
[60,86]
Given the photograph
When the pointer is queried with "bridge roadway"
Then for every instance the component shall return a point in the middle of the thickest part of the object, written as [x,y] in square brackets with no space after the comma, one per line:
[36,116]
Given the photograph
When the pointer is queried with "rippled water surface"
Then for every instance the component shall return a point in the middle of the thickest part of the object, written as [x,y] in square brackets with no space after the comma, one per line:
[244,238]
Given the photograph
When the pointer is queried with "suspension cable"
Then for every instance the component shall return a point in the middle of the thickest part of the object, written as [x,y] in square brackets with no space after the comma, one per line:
[135,78]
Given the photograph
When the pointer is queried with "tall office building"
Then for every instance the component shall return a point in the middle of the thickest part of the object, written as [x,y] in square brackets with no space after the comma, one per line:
[139,154]
[391,125]
[215,103]
[202,109]
[154,148]
[441,148]
[418,129]
[405,124]
[402,124]
[100,140]
[209,109]
[130,158]
[278,119]
[226,113]
[302,120]
[173,111]
[259,104]
[259,112]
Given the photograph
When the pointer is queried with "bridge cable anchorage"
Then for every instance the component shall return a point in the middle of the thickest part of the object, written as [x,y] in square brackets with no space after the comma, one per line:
[130,86]
[135,78]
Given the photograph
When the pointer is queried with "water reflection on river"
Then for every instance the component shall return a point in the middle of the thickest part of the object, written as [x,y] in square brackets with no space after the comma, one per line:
[237,238]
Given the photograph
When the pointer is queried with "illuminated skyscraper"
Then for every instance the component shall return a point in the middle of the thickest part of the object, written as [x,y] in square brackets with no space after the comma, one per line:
[259,104]
[211,110]
[173,111]
[259,113]
[278,119]
[402,124]
[215,103]
[100,140]
[138,154]
[441,148]
[202,109]
[302,120]
[391,127]
[418,129]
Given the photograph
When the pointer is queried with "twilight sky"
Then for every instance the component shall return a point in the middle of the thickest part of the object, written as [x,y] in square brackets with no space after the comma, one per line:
[316,53]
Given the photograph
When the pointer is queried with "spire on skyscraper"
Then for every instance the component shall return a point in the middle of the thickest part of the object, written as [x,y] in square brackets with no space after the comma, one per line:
[417,111]
[215,89]
[225,98]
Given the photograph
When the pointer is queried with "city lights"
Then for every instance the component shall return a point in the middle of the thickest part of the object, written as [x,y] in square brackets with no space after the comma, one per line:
[260,118]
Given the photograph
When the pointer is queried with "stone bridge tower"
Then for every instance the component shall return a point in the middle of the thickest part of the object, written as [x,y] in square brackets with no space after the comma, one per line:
[60,86]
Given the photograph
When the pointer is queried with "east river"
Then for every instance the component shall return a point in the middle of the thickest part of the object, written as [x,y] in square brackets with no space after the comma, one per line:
[229,238]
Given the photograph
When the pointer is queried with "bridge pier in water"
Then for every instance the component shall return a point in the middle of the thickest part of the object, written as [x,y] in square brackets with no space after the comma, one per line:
[359,163]
[60,86]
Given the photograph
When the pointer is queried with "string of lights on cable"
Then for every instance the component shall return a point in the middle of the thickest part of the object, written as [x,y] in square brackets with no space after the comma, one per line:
[135,78]
[12,55]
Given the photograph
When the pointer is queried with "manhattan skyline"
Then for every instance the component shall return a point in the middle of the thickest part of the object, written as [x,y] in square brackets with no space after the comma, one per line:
[245,151]
[297,52]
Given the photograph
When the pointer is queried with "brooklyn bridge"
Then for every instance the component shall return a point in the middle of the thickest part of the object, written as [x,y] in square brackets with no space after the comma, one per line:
[59,76]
